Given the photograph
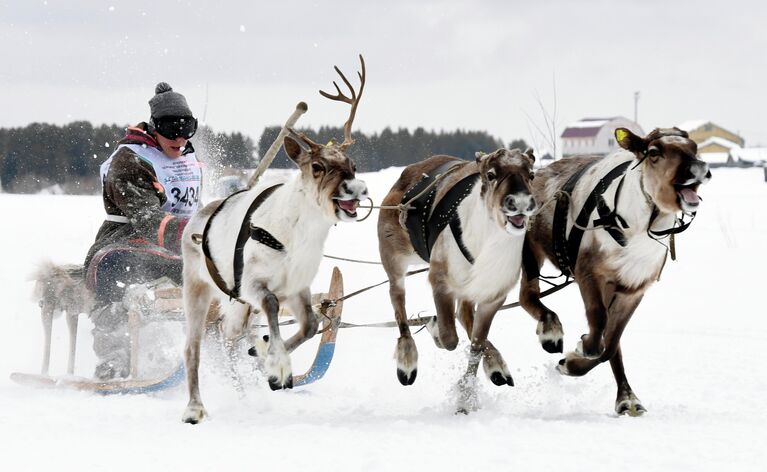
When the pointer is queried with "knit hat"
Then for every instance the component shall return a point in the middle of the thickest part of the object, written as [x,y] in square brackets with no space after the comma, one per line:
[166,102]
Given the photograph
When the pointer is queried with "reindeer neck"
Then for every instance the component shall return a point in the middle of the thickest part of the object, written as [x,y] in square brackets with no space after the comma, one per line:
[634,204]
[300,216]
[476,221]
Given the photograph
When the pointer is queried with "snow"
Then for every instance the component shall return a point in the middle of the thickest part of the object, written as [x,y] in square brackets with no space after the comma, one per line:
[715,157]
[720,141]
[589,123]
[693,355]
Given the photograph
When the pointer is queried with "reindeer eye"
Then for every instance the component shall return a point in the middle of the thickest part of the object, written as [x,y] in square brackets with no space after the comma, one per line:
[654,154]
[491,175]
[532,175]
[317,168]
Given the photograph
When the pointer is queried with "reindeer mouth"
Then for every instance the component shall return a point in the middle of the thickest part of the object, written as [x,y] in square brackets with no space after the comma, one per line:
[349,207]
[687,196]
[517,221]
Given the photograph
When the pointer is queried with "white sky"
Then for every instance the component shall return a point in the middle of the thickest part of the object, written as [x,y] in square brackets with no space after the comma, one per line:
[440,65]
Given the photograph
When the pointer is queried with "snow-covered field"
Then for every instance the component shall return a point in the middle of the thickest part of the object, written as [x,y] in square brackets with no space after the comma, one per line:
[693,354]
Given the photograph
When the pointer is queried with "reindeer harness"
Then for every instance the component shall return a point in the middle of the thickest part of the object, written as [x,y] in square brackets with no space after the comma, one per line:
[247,231]
[566,248]
[425,221]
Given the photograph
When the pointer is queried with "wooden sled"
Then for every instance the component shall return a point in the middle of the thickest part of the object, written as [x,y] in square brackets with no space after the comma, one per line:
[165,305]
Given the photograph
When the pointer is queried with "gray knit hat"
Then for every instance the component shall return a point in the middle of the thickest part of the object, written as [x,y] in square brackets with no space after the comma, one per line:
[166,102]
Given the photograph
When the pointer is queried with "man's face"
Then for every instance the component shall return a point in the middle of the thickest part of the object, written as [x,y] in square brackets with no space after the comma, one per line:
[172,148]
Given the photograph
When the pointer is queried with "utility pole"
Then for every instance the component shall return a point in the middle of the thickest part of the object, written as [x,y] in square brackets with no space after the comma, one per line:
[636,107]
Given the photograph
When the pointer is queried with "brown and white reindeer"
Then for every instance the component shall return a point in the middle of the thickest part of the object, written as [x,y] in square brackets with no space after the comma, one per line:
[608,234]
[474,264]
[277,235]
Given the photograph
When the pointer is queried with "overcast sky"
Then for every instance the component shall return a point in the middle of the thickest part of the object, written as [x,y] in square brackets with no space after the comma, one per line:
[436,64]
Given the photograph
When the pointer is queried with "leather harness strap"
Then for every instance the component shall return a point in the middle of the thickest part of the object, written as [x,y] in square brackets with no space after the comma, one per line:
[446,213]
[425,224]
[566,248]
[417,216]
[246,232]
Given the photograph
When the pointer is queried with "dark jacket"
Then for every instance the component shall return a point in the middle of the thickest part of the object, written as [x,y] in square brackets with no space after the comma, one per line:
[131,189]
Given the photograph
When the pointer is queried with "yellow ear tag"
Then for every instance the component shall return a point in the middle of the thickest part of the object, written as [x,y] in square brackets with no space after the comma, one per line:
[621,134]
[330,143]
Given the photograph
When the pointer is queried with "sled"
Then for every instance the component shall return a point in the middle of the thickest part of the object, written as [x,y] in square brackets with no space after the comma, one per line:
[161,300]
[109,387]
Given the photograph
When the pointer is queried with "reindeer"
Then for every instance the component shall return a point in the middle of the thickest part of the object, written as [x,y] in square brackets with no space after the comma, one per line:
[474,265]
[615,258]
[280,251]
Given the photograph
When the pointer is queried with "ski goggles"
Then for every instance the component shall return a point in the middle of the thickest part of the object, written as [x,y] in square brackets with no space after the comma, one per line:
[173,127]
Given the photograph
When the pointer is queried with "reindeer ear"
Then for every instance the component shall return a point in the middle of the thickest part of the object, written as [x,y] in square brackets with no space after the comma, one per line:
[529,153]
[629,141]
[292,148]
[478,155]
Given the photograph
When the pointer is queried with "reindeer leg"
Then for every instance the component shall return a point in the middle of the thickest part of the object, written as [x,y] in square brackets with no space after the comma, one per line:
[591,344]
[232,326]
[46,312]
[277,363]
[626,402]
[443,331]
[197,298]
[483,318]
[549,329]
[72,321]
[620,308]
[301,307]
[492,361]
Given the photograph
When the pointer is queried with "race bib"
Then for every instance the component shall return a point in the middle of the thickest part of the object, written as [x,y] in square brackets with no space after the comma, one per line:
[180,178]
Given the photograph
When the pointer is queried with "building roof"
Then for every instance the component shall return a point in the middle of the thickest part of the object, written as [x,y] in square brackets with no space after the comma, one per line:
[753,155]
[585,128]
[691,125]
[720,141]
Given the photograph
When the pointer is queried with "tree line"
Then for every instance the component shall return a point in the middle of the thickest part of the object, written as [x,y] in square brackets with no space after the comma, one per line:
[41,155]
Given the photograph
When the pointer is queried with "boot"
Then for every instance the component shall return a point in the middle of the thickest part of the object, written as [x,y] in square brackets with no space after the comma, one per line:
[111,341]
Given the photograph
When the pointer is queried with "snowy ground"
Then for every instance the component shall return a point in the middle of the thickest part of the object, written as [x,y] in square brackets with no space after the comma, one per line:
[693,355]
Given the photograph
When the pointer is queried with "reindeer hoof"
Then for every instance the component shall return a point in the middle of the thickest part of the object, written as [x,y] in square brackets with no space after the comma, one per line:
[499,379]
[583,352]
[274,383]
[630,406]
[405,378]
[194,414]
[553,347]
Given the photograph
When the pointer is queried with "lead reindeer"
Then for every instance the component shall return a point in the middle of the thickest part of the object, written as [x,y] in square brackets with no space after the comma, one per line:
[473,266]
[620,207]
[282,231]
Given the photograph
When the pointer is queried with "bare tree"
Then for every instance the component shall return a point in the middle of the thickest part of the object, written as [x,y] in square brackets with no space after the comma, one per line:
[547,131]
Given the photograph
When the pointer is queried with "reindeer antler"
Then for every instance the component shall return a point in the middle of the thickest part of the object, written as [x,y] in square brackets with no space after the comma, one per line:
[353,101]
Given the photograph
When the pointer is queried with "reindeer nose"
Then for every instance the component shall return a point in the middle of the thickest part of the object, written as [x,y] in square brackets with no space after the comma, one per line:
[519,202]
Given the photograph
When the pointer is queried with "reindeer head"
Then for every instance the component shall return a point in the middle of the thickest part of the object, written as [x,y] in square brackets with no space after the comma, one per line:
[506,177]
[671,171]
[326,169]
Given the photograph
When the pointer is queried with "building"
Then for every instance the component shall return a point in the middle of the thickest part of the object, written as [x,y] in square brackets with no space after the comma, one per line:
[595,135]
[716,145]
[701,131]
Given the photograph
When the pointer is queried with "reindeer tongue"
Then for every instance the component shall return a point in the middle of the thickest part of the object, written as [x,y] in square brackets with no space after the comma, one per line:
[349,206]
[690,196]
